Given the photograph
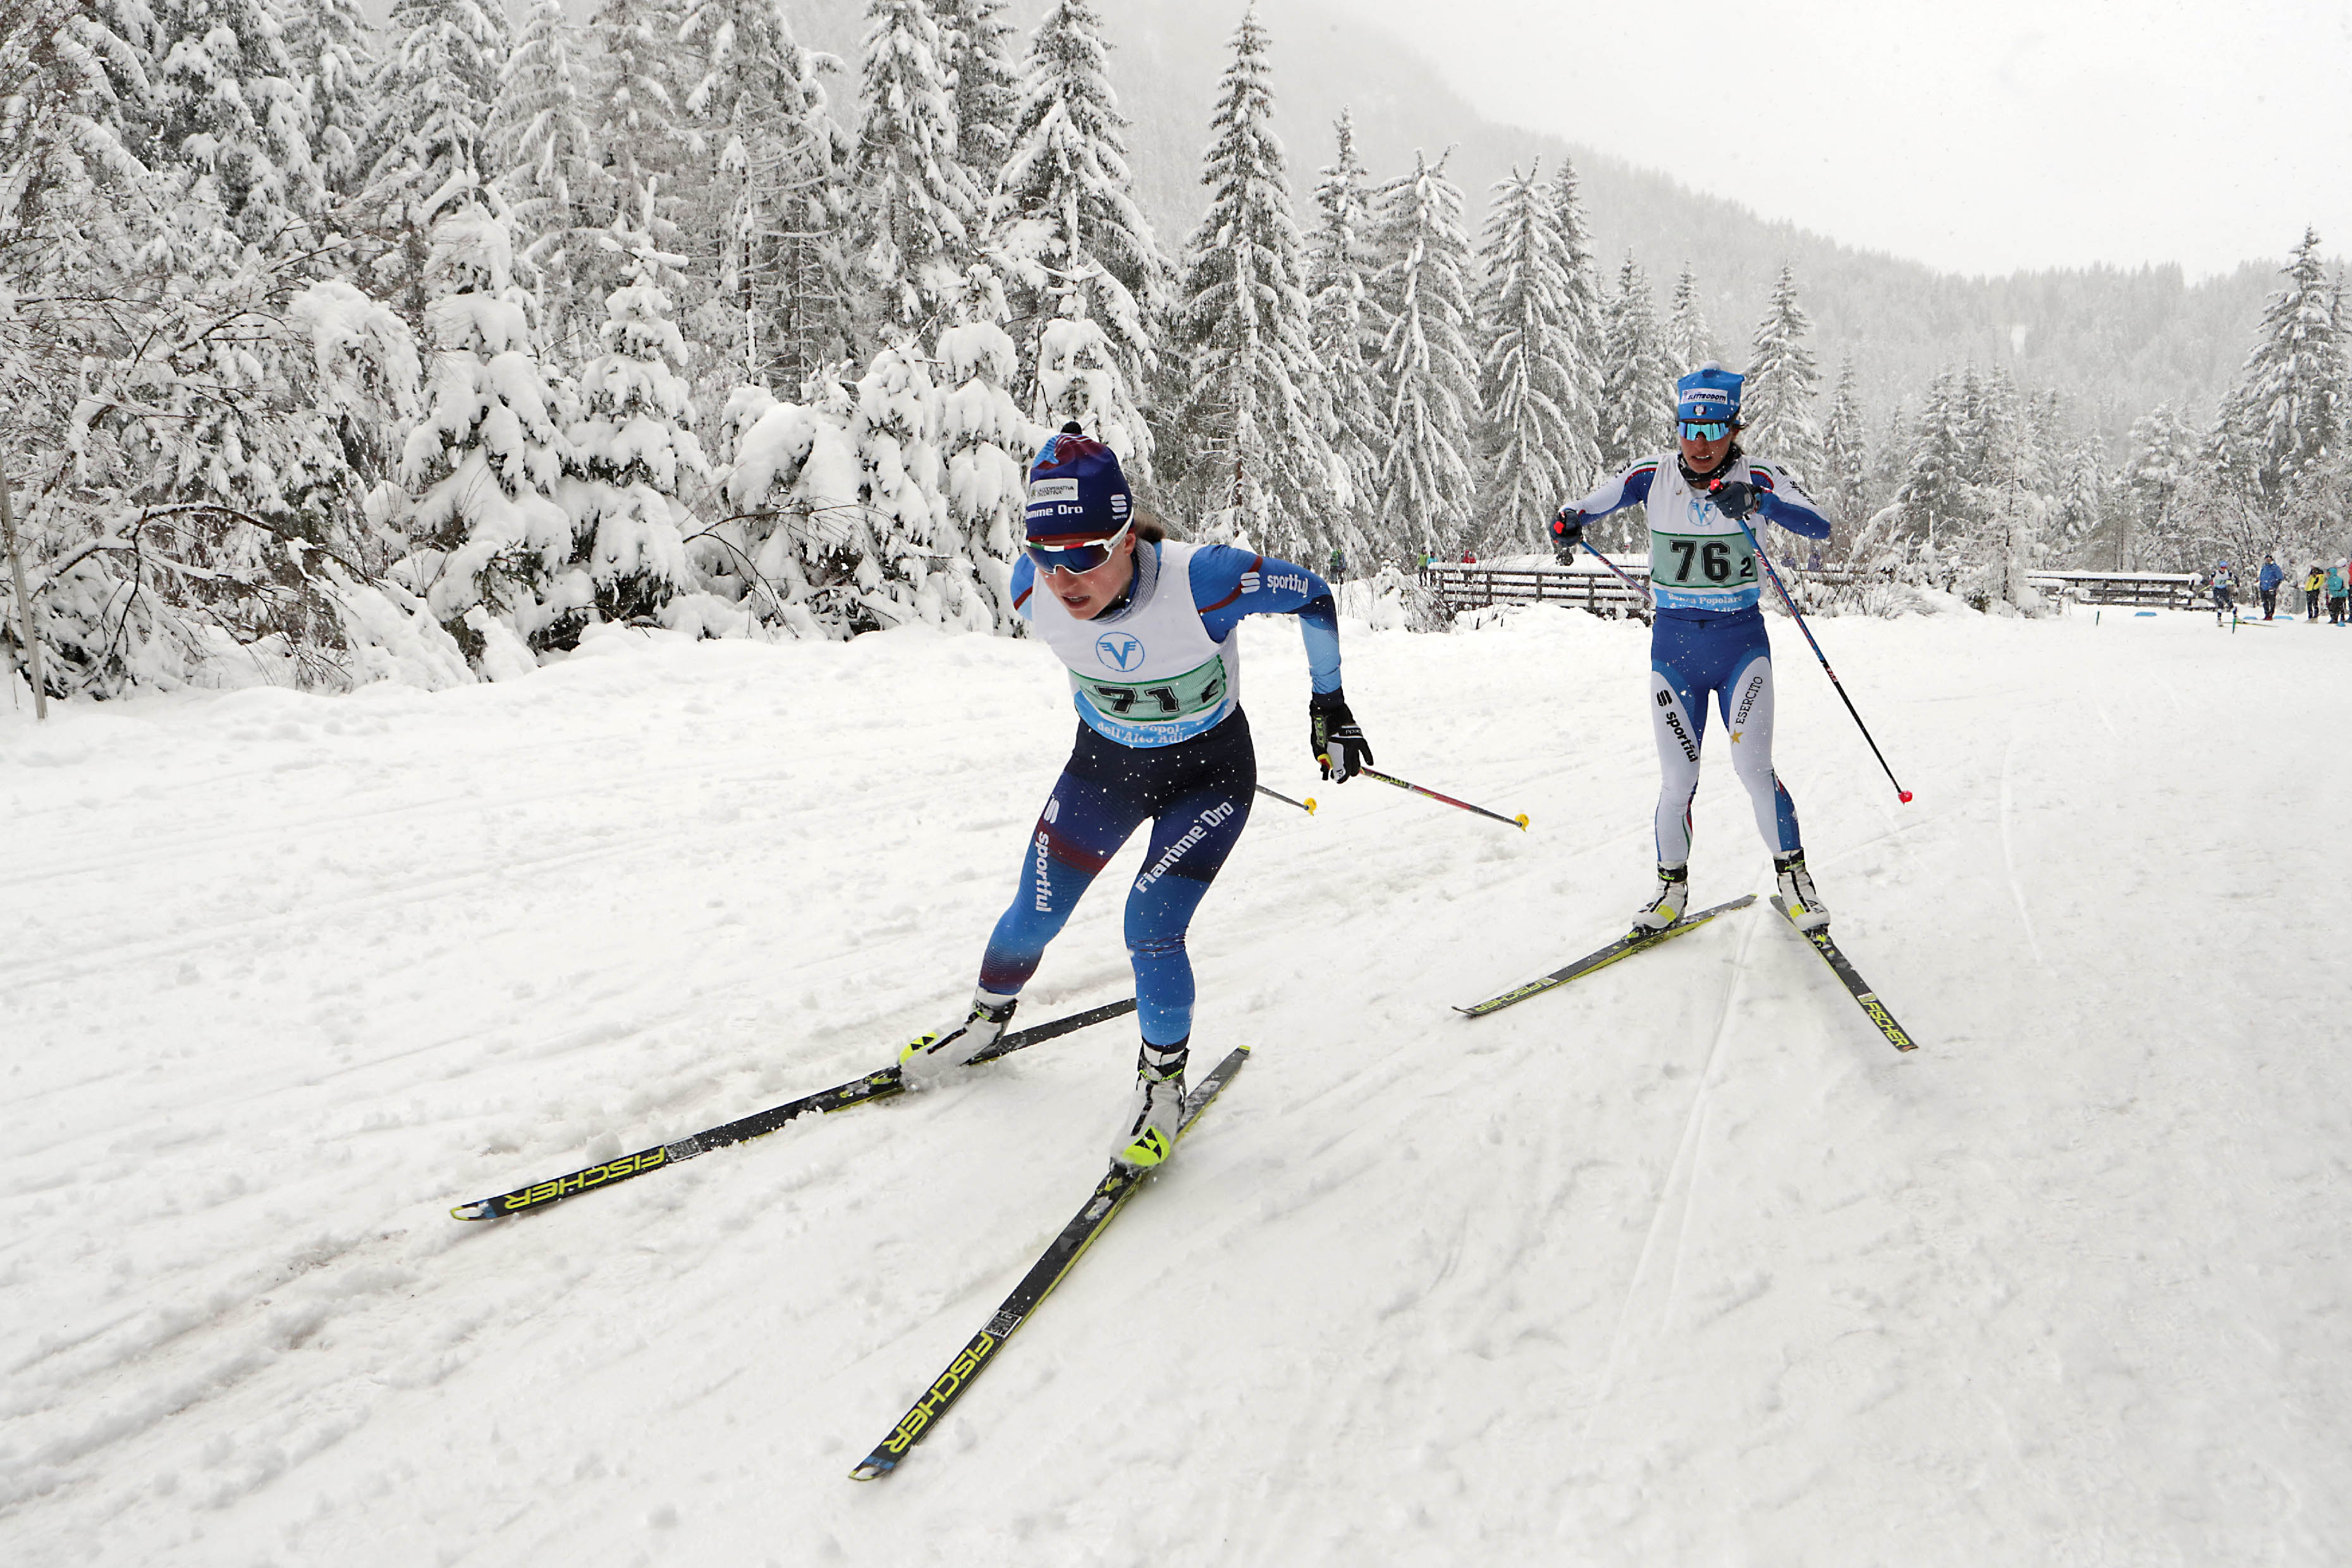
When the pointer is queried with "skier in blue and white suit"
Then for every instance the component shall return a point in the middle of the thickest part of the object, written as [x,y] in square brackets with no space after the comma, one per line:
[1146,627]
[1708,632]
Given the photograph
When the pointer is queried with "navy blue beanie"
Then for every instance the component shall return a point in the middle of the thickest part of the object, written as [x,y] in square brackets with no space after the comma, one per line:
[1710,393]
[1076,489]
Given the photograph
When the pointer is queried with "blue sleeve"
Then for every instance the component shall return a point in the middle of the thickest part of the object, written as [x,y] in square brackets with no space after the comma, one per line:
[1786,503]
[1630,487]
[1228,584]
[1025,583]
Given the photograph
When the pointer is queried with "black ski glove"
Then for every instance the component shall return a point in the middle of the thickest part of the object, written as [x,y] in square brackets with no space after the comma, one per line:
[1333,737]
[1735,500]
[1567,532]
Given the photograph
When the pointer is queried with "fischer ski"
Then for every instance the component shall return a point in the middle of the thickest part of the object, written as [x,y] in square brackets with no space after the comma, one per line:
[1871,1005]
[1624,947]
[875,1086]
[1110,1196]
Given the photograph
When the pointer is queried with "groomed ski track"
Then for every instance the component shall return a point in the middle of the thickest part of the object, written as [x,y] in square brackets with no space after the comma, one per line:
[1678,1264]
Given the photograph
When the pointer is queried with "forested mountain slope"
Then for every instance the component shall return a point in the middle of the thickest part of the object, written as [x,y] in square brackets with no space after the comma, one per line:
[2118,342]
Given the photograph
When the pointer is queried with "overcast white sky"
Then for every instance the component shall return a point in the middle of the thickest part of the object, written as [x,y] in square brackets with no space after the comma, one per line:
[1977,136]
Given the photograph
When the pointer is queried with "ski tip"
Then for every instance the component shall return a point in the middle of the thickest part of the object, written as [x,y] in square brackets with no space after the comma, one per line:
[873,1468]
[1522,820]
[478,1210]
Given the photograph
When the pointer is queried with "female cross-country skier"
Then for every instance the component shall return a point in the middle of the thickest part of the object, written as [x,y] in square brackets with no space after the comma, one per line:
[1147,631]
[1708,634]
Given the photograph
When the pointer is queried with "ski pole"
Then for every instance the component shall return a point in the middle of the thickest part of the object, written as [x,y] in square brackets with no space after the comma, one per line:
[1770,571]
[1621,577]
[1641,593]
[1520,822]
[1307,805]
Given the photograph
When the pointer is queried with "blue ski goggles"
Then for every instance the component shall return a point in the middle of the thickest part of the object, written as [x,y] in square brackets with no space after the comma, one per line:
[1704,429]
[1067,554]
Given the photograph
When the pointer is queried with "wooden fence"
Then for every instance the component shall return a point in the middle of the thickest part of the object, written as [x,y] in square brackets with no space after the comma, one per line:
[1468,587]
[2147,590]
[1473,588]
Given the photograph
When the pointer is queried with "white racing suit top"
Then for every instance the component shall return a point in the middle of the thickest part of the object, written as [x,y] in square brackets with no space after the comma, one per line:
[1700,561]
[1153,675]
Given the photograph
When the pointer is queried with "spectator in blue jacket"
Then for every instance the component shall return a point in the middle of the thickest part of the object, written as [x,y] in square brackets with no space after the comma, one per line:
[2335,594]
[2269,583]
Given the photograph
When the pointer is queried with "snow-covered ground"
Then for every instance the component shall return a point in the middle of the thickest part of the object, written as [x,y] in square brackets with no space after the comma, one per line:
[1680,1265]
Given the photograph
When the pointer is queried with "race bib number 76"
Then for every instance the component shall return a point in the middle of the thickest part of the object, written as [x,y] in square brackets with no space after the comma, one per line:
[1702,559]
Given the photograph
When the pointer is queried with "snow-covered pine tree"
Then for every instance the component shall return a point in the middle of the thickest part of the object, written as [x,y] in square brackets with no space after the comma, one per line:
[1784,382]
[179,494]
[70,189]
[1082,257]
[917,205]
[1689,343]
[2081,518]
[1426,372]
[1990,421]
[1078,376]
[490,543]
[2164,462]
[1637,391]
[2046,428]
[985,441]
[1526,387]
[2007,504]
[637,125]
[780,202]
[1844,482]
[1931,507]
[330,44]
[551,169]
[1579,438]
[1346,338]
[429,150]
[632,453]
[367,385]
[226,102]
[984,86]
[195,468]
[2288,417]
[840,507]
[1252,420]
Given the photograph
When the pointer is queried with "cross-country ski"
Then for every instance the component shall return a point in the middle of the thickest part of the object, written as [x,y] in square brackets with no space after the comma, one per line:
[1818,939]
[873,1087]
[1600,958]
[1119,1183]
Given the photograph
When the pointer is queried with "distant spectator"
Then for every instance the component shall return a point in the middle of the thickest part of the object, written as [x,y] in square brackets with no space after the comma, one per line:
[1815,563]
[2269,583]
[1469,558]
[1339,572]
[2312,583]
[2335,594]
[2224,600]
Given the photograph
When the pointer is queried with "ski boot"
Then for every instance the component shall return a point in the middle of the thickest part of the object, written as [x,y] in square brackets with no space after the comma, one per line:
[1674,895]
[927,1058]
[1805,906]
[1147,1135]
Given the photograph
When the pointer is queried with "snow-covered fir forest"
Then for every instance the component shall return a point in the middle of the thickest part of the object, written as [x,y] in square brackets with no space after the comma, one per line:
[338,350]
